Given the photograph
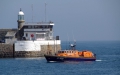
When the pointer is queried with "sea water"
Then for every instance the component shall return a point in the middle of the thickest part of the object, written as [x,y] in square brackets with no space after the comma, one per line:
[107,63]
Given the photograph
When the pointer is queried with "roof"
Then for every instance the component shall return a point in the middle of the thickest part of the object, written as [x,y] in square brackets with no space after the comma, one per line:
[39,23]
[20,12]
[10,33]
[3,32]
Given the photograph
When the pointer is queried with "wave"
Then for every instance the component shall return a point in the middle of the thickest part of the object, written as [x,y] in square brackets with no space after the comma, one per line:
[99,60]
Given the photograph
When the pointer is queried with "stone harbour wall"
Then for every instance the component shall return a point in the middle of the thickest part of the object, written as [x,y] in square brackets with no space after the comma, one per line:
[7,51]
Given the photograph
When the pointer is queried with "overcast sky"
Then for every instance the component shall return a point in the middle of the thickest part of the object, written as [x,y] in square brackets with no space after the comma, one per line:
[83,20]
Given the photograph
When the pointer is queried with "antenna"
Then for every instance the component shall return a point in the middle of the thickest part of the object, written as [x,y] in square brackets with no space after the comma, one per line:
[74,41]
[68,42]
[32,12]
[45,12]
[73,37]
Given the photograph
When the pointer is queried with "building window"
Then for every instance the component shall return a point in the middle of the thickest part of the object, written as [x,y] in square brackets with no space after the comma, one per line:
[41,26]
[39,35]
[25,26]
[26,34]
[36,26]
[50,29]
[50,34]
[33,27]
[29,27]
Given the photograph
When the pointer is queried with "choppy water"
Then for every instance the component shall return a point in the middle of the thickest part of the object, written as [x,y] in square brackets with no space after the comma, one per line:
[107,63]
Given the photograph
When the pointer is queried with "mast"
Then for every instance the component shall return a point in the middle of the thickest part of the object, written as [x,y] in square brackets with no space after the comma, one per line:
[32,12]
[68,42]
[45,12]
[54,45]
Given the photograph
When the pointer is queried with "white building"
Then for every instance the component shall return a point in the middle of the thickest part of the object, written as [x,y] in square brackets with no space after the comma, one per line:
[31,36]
[34,31]
[38,31]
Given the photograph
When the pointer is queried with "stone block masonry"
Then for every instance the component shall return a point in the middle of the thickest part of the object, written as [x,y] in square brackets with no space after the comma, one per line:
[41,53]
[7,51]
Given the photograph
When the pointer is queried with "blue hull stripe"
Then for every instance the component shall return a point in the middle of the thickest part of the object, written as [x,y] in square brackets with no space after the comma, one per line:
[62,59]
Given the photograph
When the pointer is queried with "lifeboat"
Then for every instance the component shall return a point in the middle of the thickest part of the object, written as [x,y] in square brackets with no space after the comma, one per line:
[71,55]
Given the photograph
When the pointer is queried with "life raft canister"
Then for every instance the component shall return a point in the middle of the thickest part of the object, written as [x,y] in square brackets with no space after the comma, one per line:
[32,35]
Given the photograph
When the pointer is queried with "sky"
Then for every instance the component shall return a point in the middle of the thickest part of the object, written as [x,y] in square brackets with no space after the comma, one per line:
[80,20]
